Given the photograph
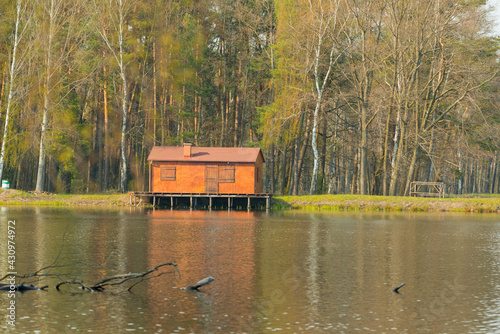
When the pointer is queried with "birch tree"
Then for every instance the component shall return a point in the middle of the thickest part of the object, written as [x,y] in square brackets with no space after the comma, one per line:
[116,12]
[14,68]
[308,50]
[364,55]
[58,44]
[53,10]
[325,24]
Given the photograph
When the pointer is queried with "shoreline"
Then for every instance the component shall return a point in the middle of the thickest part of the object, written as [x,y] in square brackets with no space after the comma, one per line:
[465,204]
[12,197]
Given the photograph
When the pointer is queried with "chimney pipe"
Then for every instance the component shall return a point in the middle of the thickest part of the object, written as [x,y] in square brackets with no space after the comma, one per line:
[187,150]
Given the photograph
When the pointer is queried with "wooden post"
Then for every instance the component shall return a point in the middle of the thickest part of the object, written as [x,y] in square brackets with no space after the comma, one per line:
[248,203]
[210,202]
[190,202]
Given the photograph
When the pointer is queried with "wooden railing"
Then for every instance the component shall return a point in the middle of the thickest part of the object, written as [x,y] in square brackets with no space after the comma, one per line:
[427,189]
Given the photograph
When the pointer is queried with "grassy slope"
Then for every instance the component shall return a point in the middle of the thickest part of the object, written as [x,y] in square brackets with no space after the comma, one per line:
[17,197]
[476,203]
[467,203]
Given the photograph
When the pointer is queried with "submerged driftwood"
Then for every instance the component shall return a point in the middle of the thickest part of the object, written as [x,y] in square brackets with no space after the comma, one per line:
[396,289]
[101,285]
[20,287]
[201,283]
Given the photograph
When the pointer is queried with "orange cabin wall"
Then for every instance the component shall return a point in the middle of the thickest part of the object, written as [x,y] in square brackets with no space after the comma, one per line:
[259,186]
[190,178]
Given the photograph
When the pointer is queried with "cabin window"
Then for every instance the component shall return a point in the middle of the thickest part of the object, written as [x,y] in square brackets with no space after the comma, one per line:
[167,173]
[226,174]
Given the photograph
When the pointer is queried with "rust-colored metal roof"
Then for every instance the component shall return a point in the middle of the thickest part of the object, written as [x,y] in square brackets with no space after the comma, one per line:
[205,154]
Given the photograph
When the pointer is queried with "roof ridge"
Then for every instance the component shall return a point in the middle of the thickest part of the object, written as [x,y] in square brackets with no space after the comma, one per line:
[212,154]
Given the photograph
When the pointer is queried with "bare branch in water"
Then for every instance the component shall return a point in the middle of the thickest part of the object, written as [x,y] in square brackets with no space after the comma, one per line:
[70,279]
[120,279]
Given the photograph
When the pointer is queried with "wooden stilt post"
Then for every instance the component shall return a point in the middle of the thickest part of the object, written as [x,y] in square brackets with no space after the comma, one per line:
[190,202]
[210,202]
[248,207]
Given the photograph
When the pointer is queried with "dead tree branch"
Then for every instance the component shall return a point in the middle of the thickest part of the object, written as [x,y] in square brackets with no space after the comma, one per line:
[120,279]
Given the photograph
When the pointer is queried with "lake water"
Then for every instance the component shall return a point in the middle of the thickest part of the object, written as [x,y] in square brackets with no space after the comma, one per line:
[287,271]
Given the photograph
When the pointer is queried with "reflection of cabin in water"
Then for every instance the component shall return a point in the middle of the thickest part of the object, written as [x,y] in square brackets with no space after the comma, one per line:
[217,170]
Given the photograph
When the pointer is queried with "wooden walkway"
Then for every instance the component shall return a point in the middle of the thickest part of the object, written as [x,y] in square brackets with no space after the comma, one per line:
[202,200]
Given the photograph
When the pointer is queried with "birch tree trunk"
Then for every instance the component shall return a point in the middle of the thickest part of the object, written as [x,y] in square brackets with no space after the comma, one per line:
[117,15]
[40,180]
[12,76]
[123,157]
[320,84]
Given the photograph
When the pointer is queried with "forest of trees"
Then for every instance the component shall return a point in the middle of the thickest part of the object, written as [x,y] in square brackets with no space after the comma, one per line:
[343,96]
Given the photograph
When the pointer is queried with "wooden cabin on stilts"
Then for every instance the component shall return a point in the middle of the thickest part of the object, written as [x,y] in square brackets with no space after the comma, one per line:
[205,177]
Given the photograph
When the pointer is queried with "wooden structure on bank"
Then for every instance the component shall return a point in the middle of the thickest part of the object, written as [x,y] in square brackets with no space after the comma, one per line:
[427,189]
[211,170]
[205,177]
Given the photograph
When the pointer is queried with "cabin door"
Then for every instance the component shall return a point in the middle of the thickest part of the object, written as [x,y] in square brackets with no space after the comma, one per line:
[211,179]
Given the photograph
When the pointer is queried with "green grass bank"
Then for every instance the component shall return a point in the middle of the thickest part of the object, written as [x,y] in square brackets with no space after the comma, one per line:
[19,197]
[467,204]
[476,203]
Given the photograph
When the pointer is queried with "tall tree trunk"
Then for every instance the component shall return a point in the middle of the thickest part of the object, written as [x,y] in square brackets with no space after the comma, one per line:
[365,95]
[385,158]
[121,64]
[323,154]
[41,159]
[155,115]
[295,169]
[312,190]
[493,173]
[272,180]
[397,153]
[319,98]
[325,21]
[11,86]
[123,6]
[301,157]
[363,150]
[106,132]
[411,169]
[354,172]
[460,170]
[283,170]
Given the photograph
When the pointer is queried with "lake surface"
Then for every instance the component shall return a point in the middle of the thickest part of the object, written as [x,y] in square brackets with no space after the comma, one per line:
[285,271]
